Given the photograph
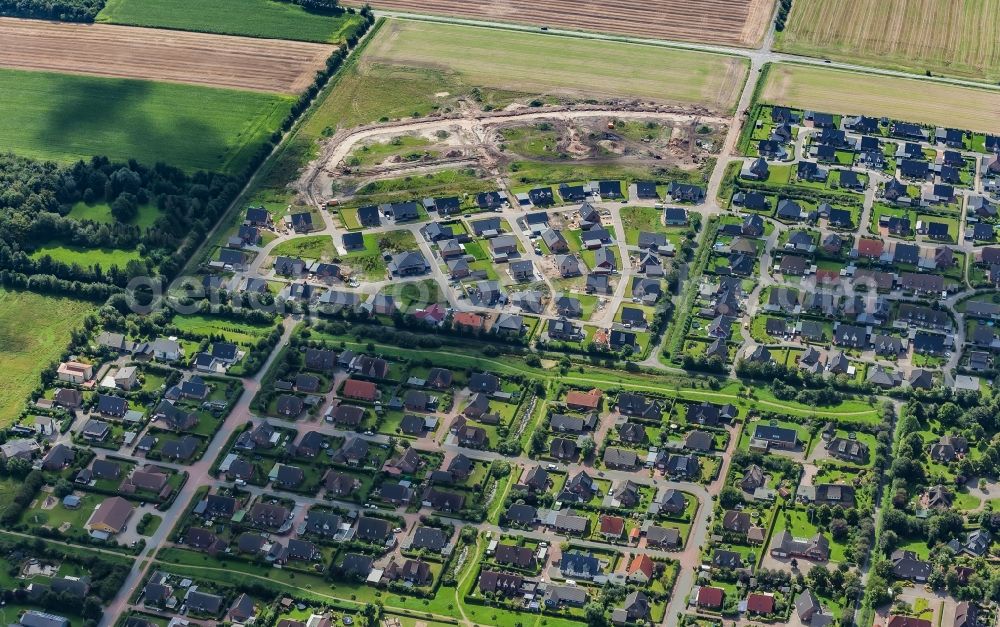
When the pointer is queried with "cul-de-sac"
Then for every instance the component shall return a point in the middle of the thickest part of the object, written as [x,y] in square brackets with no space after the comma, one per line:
[441,313]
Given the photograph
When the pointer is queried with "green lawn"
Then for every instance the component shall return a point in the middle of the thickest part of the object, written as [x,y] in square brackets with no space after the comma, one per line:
[101,213]
[65,118]
[239,332]
[253,18]
[59,514]
[407,147]
[801,528]
[28,347]
[443,183]
[152,525]
[966,502]
[917,546]
[86,257]
[636,219]
[310,247]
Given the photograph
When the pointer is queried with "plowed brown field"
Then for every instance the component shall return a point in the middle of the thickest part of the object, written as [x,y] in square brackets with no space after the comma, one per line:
[731,22]
[266,65]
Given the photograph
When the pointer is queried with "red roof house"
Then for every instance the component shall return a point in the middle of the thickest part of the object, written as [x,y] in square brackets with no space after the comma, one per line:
[361,390]
[760,603]
[710,597]
[469,320]
[583,401]
[870,248]
[641,568]
[433,314]
[612,526]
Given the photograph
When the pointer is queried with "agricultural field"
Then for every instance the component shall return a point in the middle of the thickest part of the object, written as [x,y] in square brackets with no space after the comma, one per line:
[429,65]
[952,37]
[194,58]
[546,64]
[718,21]
[65,118]
[823,89]
[271,19]
[26,352]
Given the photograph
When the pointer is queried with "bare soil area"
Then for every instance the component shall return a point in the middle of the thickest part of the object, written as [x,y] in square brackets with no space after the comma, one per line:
[266,65]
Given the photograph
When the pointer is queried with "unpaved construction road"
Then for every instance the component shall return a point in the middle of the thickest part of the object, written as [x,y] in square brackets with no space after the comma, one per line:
[267,65]
[314,180]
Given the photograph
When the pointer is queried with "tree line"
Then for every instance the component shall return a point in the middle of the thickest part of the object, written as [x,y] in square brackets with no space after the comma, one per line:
[63,10]
[37,198]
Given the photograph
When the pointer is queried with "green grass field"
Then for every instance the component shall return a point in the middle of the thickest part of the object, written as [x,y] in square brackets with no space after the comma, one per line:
[243,332]
[254,18]
[34,330]
[101,213]
[65,118]
[544,64]
[953,37]
[434,184]
[310,247]
[429,65]
[857,93]
[86,257]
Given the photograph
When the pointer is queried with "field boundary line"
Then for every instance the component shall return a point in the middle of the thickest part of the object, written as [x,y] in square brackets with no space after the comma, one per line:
[787,59]
[572,34]
[225,220]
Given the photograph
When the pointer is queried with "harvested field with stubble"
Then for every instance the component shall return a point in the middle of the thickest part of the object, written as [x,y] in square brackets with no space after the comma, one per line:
[843,91]
[730,22]
[245,63]
[543,64]
[952,37]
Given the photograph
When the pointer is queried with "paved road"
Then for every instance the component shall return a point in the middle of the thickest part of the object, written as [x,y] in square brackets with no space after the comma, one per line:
[760,55]
[478,125]
[198,476]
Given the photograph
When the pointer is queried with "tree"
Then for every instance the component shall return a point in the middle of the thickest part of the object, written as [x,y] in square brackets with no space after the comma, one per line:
[124,208]
[949,414]
[595,615]
[587,447]
[839,529]
[730,497]
[63,488]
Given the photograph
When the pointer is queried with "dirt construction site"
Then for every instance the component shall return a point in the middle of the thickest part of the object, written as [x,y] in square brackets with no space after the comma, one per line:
[266,65]
[730,22]
[584,138]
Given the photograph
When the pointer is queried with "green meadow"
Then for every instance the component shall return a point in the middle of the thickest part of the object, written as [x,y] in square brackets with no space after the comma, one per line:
[253,18]
[34,330]
[64,118]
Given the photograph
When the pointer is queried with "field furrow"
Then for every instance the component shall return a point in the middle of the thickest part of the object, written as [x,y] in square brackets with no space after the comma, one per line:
[733,22]
[173,56]
[950,37]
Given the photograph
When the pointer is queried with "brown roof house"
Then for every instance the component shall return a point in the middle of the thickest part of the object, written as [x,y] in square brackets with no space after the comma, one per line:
[110,516]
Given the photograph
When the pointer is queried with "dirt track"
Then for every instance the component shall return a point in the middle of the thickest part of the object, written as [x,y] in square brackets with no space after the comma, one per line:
[180,57]
[732,22]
